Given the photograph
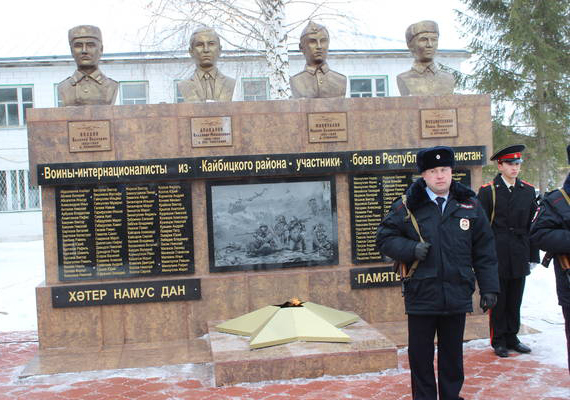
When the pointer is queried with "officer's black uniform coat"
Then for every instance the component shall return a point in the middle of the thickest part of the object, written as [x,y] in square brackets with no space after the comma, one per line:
[511,225]
[462,250]
[551,232]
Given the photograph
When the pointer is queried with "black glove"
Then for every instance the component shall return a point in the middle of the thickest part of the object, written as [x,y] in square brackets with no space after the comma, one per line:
[488,301]
[421,250]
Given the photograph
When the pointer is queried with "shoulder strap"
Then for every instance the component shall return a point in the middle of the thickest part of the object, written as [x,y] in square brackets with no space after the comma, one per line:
[563,194]
[417,228]
[411,216]
[494,201]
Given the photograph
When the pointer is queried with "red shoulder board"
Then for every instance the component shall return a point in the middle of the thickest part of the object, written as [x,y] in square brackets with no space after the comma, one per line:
[526,183]
[487,184]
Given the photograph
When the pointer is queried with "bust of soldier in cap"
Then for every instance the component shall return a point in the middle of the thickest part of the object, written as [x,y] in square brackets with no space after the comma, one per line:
[317,80]
[207,83]
[424,78]
[88,85]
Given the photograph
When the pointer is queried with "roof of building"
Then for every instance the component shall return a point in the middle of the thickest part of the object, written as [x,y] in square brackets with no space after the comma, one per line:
[227,55]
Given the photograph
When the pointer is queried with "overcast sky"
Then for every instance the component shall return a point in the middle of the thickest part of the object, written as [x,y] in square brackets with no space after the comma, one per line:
[39,27]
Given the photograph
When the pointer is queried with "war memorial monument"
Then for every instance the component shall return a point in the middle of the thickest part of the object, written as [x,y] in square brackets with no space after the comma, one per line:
[162,221]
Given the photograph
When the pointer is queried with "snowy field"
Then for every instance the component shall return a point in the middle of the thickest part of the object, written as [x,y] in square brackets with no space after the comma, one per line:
[22,269]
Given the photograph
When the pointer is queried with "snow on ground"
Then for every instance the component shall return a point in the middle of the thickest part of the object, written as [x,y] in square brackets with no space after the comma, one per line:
[22,269]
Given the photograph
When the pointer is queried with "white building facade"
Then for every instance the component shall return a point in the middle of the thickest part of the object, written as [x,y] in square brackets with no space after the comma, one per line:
[151,78]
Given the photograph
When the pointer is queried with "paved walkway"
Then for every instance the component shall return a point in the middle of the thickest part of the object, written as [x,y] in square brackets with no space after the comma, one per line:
[487,378]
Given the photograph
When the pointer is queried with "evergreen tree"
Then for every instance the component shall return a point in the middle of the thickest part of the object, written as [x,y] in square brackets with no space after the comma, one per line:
[522,53]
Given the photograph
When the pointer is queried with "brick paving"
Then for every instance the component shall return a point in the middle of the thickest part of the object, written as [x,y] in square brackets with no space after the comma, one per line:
[487,378]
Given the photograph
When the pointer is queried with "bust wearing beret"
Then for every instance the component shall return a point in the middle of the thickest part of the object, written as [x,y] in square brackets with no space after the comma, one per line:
[317,80]
[88,85]
[424,78]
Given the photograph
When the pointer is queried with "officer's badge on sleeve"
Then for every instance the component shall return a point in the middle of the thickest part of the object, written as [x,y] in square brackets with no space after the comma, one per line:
[464,224]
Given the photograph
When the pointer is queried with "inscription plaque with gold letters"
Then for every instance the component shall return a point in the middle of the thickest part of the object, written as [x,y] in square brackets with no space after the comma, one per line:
[124,230]
[211,131]
[371,197]
[327,127]
[89,136]
[438,123]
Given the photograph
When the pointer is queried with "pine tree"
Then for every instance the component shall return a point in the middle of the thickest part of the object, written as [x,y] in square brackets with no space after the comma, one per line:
[522,52]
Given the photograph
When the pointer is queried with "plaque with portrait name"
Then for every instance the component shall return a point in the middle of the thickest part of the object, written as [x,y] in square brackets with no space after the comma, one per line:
[327,127]
[438,123]
[211,131]
[89,136]
[371,197]
[124,230]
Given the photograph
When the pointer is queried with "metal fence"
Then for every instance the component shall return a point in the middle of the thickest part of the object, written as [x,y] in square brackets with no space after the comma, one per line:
[16,192]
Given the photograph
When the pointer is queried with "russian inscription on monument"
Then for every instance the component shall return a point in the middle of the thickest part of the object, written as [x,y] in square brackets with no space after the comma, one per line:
[327,127]
[438,123]
[89,136]
[124,230]
[211,131]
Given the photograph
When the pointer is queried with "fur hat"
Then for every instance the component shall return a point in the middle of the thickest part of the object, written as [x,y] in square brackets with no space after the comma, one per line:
[420,27]
[438,156]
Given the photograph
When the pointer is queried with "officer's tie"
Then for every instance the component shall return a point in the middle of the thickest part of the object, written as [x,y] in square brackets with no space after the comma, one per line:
[209,83]
[440,201]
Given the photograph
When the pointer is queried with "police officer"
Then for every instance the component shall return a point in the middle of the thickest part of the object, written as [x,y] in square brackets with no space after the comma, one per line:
[510,204]
[551,232]
[87,85]
[451,247]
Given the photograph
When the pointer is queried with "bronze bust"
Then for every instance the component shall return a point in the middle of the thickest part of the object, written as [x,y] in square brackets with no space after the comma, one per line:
[424,78]
[207,83]
[317,80]
[88,85]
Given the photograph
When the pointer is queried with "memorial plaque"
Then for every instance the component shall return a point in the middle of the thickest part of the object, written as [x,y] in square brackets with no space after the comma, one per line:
[327,127]
[105,294]
[211,131]
[371,197]
[331,162]
[124,230]
[89,136]
[363,278]
[263,224]
[438,123]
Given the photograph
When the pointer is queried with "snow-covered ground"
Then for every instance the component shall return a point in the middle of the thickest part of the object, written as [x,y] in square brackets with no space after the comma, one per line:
[22,269]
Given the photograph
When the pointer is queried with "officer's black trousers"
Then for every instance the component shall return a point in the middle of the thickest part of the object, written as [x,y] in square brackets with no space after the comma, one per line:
[421,335]
[505,317]
[566,313]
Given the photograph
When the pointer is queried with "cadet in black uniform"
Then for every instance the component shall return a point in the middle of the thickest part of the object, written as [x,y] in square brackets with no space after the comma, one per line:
[510,204]
[551,232]
[451,247]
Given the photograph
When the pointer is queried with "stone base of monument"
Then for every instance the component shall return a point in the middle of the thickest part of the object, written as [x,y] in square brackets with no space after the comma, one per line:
[234,362]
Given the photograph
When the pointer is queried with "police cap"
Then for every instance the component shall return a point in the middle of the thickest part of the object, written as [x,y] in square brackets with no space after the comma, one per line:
[84,31]
[433,157]
[509,153]
[420,27]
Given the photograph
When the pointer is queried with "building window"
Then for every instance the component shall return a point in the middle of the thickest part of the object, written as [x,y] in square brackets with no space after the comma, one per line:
[134,93]
[13,104]
[16,192]
[255,89]
[369,86]
[58,102]
[179,98]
